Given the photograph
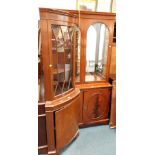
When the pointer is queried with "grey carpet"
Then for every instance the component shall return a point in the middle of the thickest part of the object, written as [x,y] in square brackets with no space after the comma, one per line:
[97,140]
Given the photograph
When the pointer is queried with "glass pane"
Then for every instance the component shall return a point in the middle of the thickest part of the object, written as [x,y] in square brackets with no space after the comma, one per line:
[77,55]
[62,48]
[96,52]
[90,53]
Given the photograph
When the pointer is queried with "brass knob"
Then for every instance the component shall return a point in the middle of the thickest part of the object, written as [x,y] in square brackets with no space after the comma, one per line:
[50,65]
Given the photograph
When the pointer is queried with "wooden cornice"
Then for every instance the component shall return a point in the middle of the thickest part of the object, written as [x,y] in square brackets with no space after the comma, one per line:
[75,13]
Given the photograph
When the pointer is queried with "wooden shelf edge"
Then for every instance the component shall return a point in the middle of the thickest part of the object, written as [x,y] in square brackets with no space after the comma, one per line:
[93,85]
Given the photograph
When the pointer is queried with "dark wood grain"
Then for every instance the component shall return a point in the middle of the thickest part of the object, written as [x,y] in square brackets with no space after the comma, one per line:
[41,108]
[42,137]
[96,105]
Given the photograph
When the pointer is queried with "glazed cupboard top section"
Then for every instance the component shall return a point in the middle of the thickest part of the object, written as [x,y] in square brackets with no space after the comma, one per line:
[74,48]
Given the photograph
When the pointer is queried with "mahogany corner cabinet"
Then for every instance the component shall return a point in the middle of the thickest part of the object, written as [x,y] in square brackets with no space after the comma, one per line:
[73,74]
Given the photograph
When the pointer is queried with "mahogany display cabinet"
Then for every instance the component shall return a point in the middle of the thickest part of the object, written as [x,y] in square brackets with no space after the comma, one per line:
[74,66]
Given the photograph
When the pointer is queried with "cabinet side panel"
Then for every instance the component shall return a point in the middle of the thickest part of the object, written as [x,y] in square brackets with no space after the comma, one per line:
[46,60]
[42,137]
[113,107]
[50,131]
[42,134]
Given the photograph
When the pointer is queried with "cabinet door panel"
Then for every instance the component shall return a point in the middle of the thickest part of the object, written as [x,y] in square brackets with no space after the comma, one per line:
[66,123]
[96,104]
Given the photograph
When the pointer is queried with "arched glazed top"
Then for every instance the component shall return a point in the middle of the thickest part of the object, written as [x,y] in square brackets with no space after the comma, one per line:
[96,52]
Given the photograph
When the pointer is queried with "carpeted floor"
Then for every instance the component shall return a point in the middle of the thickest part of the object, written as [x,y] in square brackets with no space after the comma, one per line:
[97,140]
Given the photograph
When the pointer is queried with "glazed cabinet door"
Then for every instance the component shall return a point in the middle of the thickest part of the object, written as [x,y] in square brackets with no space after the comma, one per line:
[61,48]
[96,105]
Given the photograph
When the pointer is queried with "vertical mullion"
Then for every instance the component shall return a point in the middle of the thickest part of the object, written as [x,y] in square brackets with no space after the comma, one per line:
[56,62]
[64,58]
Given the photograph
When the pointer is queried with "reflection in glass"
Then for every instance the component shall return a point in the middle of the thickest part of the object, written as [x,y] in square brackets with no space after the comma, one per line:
[62,48]
[77,54]
[96,52]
